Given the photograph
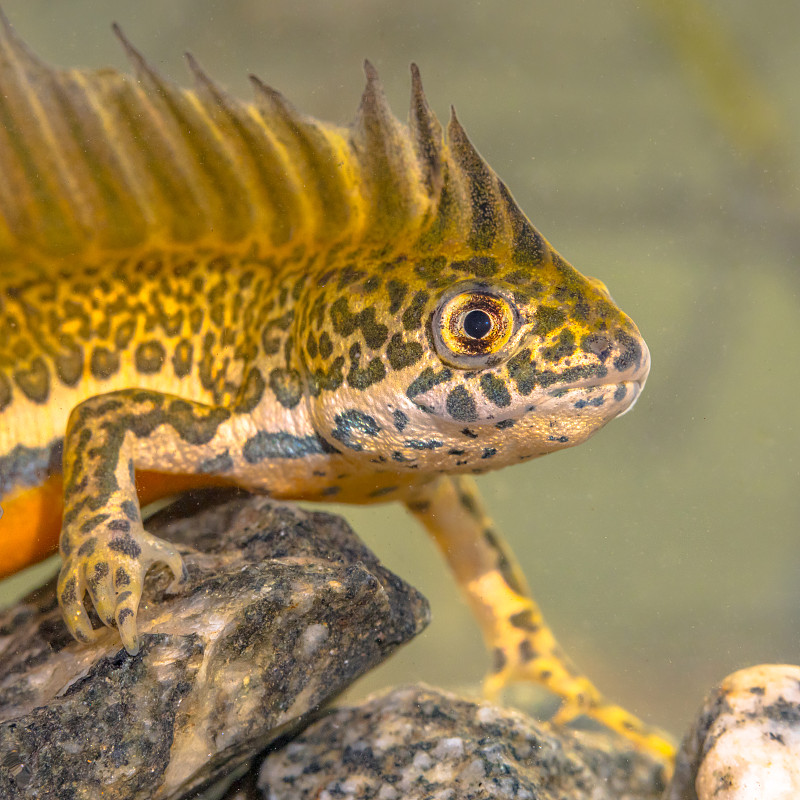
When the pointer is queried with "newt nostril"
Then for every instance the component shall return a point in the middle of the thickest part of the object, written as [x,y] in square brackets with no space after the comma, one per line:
[598,345]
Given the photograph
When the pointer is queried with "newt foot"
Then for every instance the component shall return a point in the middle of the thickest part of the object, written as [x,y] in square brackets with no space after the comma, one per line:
[579,697]
[112,569]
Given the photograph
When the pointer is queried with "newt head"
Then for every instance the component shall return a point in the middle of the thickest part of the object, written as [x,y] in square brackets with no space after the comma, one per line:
[470,343]
[466,362]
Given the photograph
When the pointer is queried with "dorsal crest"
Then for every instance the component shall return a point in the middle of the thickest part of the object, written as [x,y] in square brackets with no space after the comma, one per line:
[97,162]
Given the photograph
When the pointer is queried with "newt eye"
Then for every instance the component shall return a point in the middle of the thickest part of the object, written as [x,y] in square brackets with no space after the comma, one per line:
[472,325]
[477,323]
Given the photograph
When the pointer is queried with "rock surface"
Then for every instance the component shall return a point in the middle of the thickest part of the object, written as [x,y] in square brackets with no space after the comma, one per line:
[746,742]
[282,610]
[420,743]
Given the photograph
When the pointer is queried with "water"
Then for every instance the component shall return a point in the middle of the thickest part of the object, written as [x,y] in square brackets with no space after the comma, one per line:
[663,551]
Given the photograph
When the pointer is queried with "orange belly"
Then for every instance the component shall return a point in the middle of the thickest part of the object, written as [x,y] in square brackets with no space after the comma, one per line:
[31,521]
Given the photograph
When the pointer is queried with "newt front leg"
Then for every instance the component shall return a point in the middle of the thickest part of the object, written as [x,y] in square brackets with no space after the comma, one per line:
[522,644]
[103,543]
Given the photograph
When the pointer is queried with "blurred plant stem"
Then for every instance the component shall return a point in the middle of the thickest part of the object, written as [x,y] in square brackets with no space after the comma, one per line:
[742,108]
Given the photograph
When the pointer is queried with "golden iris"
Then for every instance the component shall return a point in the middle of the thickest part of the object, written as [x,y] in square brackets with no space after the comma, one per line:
[475,324]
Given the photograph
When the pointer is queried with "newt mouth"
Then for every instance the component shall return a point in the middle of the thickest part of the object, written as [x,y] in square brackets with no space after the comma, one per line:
[635,383]
[633,390]
[615,393]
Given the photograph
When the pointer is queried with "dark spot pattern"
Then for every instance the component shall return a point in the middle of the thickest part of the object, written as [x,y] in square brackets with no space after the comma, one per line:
[526,651]
[426,380]
[423,444]
[182,358]
[412,316]
[548,319]
[563,348]
[126,545]
[495,391]
[100,571]
[630,354]
[251,392]
[375,333]
[362,379]
[499,659]
[325,345]
[354,420]
[400,419]
[402,354]
[287,386]
[504,566]
[87,547]
[149,357]
[121,578]
[34,380]
[90,524]
[104,363]
[218,464]
[461,405]
[343,320]
[383,491]
[130,510]
[594,402]
[522,370]
[69,367]
[397,291]
[478,266]
[524,621]
[122,615]
[265,445]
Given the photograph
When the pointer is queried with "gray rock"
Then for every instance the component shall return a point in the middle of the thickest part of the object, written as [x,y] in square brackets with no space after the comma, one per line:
[282,610]
[419,743]
[745,744]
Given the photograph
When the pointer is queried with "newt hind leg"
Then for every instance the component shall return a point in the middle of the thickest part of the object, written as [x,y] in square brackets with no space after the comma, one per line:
[522,644]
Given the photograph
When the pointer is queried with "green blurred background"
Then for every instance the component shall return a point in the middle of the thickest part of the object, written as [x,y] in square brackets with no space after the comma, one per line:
[657,157]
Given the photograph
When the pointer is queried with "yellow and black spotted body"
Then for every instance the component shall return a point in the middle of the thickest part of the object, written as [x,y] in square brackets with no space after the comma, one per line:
[195,290]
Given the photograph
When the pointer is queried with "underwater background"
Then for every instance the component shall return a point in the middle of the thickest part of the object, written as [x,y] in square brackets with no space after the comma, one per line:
[655,145]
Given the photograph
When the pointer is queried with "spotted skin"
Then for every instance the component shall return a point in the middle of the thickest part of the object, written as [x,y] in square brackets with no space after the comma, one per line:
[197,291]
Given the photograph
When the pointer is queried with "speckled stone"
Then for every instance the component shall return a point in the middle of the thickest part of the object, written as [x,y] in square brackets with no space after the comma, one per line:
[282,610]
[746,742]
[418,743]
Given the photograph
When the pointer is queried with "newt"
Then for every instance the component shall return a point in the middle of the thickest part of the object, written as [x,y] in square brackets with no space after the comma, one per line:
[195,290]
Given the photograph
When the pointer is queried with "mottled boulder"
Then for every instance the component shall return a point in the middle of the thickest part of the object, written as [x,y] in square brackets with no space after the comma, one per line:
[282,610]
[417,743]
[745,744]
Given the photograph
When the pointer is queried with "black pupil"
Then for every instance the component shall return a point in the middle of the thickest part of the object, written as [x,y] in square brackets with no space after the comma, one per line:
[477,324]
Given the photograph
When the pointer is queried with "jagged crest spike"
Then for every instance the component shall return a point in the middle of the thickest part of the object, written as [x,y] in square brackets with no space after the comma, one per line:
[199,73]
[140,65]
[272,101]
[481,185]
[462,148]
[13,41]
[374,110]
[206,86]
[427,134]
[387,156]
